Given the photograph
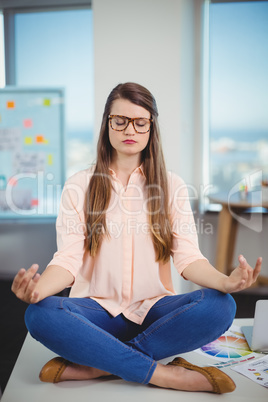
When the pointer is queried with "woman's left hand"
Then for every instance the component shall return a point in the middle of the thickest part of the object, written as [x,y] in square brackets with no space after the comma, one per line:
[243,276]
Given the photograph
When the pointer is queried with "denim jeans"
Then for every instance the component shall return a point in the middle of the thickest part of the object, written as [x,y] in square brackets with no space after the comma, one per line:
[81,331]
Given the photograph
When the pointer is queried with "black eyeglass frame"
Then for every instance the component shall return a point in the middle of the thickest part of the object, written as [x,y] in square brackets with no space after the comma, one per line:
[130,120]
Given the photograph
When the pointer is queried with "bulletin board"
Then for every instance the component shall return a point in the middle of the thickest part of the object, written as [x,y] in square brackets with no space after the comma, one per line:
[31,151]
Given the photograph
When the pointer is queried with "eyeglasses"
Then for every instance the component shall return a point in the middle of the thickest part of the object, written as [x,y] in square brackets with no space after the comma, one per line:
[119,123]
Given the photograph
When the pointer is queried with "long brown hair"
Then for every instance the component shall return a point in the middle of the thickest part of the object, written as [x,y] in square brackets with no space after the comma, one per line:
[100,186]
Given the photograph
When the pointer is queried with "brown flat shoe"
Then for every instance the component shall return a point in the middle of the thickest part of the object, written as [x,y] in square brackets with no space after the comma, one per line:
[220,381]
[52,370]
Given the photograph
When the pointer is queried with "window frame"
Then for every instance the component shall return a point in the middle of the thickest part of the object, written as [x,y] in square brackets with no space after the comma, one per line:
[12,7]
[205,204]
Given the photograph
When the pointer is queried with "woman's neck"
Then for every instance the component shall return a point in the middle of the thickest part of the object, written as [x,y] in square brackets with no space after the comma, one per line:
[124,166]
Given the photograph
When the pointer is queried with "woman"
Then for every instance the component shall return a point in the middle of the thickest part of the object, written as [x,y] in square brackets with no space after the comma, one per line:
[118,225]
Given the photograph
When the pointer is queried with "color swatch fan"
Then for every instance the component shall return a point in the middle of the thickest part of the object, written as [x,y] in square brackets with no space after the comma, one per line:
[227,347]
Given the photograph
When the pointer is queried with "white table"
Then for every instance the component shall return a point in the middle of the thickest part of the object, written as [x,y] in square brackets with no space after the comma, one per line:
[24,384]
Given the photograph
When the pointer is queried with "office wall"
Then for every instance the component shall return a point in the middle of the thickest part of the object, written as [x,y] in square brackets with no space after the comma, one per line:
[154,43]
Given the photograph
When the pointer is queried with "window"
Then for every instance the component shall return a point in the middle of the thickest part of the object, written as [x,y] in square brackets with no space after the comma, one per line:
[55,49]
[238,92]
[2,57]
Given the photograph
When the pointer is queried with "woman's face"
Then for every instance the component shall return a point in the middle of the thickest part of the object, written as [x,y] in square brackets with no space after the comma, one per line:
[128,141]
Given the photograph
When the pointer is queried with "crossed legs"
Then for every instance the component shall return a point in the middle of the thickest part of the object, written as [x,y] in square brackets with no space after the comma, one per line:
[97,344]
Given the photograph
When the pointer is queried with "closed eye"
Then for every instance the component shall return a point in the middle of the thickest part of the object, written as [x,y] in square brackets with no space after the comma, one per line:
[141,122]
[120,121]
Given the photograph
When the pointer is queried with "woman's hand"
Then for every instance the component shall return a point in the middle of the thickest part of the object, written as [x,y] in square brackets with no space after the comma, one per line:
[243,276]
[24,284]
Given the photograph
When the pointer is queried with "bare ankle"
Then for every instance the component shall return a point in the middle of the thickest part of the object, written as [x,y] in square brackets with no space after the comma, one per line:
[179,378]
[78,372]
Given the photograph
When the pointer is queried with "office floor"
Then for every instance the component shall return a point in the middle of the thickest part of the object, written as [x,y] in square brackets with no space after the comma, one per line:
[13,330]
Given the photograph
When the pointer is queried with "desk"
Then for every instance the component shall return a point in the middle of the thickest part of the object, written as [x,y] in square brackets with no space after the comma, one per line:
[24,384]
[232,208]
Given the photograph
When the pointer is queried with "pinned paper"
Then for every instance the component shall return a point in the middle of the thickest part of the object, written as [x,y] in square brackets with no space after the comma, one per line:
[28,162]
[28,140]
[50,159]
[34,202]
[28,123]
[46,102]
[10,139]
[21,199]
[40,139]
[10,104]
[12,181]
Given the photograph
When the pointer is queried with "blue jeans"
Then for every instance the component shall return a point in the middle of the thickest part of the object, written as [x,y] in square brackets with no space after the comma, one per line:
[81,331]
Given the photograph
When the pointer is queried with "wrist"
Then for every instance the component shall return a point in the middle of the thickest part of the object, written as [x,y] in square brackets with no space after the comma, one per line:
[223,284]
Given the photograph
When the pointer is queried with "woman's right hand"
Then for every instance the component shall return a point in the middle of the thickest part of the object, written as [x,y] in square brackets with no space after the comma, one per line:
[24,284]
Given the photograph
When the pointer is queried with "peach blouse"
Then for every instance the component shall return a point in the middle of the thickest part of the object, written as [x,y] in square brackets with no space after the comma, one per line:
[124,277]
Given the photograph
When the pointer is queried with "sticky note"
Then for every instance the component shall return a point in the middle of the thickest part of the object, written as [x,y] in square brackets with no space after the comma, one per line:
[46,102]
[34,202]
[39,139]
[27,123]
[28,140]
[10,104]
[50,159]
[46,141]
[12,181]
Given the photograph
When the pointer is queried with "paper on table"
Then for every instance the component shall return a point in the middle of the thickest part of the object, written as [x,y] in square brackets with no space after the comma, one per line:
[256,370]
[230,348]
